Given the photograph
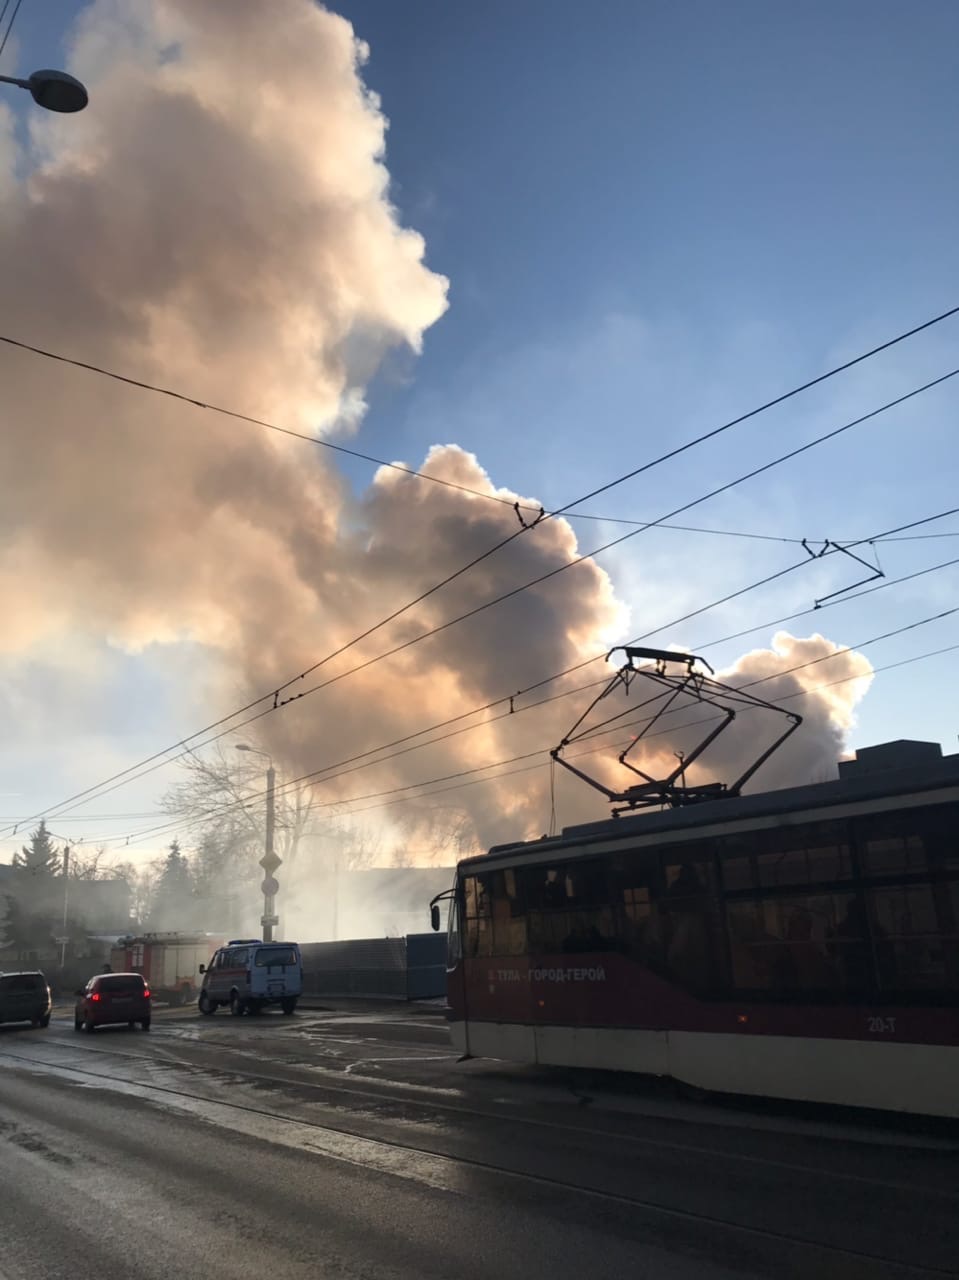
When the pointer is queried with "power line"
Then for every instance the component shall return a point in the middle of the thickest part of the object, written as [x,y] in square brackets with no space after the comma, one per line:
[3,13]
[751,684]
[801,666]
[546,577]
[224,809]
[340,765]
[251,419]
[459,786]
[770,404]
[13,18]
[802,693]
[673,453]
[510,700]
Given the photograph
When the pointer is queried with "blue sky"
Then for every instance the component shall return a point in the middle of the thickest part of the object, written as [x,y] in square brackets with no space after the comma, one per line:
[654,216]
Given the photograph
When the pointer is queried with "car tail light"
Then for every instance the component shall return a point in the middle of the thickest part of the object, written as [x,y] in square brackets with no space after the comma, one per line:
[146,992]
[95,997]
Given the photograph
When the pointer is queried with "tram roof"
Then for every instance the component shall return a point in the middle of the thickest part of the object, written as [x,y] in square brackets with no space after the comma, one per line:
[884,783]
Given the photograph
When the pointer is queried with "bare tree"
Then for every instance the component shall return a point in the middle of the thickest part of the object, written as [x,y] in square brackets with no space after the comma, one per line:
[440,834]
[90,866]
[223,799]
[142,880]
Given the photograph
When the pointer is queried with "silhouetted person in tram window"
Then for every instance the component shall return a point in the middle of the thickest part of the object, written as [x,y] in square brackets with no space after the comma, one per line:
[888,969]
[851,939]
[813,970]
[554,891]
[686,885]
[684,912]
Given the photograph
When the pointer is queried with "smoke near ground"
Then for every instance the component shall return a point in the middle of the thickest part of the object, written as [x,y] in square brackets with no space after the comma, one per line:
[220,221]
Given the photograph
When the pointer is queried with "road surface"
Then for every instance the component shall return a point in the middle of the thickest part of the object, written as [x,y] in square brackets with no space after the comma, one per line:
[351,1143]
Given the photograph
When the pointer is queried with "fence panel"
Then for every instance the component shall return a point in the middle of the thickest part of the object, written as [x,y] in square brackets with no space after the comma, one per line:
[364,967]
[425,966]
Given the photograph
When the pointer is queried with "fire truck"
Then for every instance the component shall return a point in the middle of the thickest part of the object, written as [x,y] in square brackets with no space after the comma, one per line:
[170,962]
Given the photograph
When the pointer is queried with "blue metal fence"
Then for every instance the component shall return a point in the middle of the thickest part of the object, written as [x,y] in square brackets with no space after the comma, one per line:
[425,966]
[410,968]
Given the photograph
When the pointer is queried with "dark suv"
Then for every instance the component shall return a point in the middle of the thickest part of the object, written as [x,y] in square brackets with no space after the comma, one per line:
[25,997]
[113,997]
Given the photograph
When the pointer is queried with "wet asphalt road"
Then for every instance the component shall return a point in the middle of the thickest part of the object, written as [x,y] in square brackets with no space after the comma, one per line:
[350,1143]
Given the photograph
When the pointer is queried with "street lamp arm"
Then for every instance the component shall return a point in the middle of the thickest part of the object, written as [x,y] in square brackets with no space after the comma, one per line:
[53,90]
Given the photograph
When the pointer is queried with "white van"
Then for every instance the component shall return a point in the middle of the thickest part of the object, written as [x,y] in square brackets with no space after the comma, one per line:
[248,974]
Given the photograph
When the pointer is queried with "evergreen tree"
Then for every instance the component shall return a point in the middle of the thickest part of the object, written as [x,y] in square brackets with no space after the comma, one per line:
[173,901]
[23,935]
[39,858]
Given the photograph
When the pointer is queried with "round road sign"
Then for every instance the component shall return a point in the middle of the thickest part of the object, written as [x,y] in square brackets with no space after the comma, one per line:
[270,887]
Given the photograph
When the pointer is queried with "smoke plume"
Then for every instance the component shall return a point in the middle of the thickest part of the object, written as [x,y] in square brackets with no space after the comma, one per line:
[219,220]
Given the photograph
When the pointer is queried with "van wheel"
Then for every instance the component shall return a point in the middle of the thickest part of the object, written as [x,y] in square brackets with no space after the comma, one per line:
[237,1006]
[45,1020]
[77,1024]
[88,1027]
[288,1006]
[145,1024]
[205,1004]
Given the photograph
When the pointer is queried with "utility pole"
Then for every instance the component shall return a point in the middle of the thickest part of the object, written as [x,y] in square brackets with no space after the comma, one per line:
[270,862]
[336,892]
[66,904]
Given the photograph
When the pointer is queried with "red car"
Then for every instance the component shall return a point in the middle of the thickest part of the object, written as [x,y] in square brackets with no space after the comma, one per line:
[113,998]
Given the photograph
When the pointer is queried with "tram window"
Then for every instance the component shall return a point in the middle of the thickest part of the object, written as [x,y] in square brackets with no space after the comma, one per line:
[804,855]
[941,833]
[738,872]
[477,901]
[892,843]
[480,935]
[689,870]
[689,918]
[637,905]
[947,896]
[914,934]
[812,942]
[509,920]
[636,882]
[787,866]
[828,859]
[736,862]
[568,908]
[477,932]
[454,937]
[495,923]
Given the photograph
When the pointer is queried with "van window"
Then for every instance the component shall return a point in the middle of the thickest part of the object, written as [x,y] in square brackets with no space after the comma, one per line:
[267,956]
[22,982]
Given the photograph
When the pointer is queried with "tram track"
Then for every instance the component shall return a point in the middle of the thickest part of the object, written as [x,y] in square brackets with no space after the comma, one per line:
[379,1154]
[393,1093]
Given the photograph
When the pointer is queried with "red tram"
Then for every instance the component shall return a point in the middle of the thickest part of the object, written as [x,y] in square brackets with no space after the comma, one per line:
[799,944]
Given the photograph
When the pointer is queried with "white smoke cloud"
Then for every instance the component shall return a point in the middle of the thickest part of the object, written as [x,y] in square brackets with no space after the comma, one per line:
[219,220]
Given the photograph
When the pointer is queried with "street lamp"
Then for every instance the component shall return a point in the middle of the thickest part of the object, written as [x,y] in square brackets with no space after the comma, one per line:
[269,862]
[54,90]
